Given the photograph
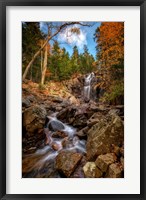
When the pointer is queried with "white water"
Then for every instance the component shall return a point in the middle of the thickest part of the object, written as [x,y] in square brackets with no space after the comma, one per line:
[87,86]
[48,153]
[67,129]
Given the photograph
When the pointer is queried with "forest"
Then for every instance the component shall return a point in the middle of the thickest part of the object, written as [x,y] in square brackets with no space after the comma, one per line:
[72,100]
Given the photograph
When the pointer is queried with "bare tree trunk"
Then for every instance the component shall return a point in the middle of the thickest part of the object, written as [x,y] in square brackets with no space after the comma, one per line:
[44,67]
[30,63]
[47,40]
[41,58]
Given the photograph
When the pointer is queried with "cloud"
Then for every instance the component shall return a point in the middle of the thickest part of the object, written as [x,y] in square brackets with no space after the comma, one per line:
[73,39]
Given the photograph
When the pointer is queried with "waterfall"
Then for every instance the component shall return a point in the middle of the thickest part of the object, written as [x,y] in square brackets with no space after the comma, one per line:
[87,86]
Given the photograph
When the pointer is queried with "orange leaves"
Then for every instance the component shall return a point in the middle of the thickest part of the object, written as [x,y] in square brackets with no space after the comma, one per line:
[110,39]
[110,45]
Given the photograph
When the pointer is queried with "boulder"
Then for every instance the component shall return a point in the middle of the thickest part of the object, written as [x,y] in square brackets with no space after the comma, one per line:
[55,125]
[33,118]
[66,162]
[115,171]
[79,173]
[101,137]
[91,171]
[103,161]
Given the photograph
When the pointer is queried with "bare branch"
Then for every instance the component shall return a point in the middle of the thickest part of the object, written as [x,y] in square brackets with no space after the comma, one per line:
[60,28]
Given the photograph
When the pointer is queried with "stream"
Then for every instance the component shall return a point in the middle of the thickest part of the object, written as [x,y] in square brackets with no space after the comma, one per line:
[59,137]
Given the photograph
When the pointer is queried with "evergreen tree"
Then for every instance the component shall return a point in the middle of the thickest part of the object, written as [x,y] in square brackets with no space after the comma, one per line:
[31,35]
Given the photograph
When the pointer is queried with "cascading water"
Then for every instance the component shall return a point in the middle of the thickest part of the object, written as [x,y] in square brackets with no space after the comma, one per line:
[44,159]
[87,86]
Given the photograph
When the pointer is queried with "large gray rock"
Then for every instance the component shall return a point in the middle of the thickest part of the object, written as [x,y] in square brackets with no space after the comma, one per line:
[101,137]
[34,118]
[55,125]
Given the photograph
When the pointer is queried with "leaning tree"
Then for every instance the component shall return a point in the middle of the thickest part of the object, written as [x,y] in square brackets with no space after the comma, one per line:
[51,35]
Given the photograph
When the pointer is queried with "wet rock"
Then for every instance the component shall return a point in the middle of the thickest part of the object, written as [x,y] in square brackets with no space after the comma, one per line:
[56,146]
[67,142]
[114,171]
[59,134]
[101,137]
[91,171]
[66,162]
[48,171]
[33,118]
[55,125]
[103,161]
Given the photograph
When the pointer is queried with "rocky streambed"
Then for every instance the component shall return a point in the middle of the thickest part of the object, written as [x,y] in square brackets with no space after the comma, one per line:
[65,139]
[67,134]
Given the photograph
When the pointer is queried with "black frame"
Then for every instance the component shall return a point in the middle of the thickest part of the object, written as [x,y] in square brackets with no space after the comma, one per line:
[3,5]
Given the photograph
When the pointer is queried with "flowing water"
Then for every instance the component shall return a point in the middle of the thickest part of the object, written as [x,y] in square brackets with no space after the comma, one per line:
[87,86]
[42,162]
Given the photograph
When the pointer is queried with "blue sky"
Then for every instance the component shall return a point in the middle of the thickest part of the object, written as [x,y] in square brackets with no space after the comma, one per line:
[68,40]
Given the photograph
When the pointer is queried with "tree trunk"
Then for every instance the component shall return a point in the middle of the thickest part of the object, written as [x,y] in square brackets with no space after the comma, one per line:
[44,67]
[41,58]
[47,40]
[30,63]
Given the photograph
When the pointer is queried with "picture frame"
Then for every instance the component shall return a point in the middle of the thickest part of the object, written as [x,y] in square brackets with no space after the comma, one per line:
[3,99]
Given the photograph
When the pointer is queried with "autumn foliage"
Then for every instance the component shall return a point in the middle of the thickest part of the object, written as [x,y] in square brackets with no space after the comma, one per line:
[110,55]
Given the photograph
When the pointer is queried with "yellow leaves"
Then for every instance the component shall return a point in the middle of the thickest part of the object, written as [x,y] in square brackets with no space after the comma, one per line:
[75,30]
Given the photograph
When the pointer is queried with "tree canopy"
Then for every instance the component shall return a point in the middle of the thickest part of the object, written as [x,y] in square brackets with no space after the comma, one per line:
[110,57]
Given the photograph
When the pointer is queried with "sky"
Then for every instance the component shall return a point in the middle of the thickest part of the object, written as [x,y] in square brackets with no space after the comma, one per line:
[68,40]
